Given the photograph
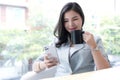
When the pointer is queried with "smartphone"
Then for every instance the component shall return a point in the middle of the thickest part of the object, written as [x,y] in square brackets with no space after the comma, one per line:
[51,51]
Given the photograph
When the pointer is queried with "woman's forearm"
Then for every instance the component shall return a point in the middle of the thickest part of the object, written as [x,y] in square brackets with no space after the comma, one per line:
[100,60]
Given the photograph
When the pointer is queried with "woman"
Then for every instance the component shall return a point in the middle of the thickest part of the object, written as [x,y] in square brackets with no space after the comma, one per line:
[74,58]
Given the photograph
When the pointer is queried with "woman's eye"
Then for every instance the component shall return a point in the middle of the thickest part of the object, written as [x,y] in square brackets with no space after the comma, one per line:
[75,19]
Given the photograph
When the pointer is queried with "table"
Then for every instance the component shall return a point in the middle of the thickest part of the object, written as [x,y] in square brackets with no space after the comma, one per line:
[104,74]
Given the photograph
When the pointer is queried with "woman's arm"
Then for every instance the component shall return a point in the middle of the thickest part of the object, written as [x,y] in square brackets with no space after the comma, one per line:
[99,59]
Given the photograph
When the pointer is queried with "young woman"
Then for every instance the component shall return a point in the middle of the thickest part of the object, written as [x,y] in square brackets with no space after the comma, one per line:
[73,58]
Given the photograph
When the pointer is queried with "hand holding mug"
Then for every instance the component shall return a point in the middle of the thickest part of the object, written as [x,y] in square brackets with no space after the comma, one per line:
[89,39]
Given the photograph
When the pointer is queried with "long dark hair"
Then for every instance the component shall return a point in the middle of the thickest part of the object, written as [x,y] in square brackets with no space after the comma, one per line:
[60,32]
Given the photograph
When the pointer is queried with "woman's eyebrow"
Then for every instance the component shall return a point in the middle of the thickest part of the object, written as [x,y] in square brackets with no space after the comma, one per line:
[75,17]
[72,17]
[65,19]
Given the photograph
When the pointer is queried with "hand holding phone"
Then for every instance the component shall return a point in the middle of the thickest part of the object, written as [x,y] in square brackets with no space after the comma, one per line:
[51,52]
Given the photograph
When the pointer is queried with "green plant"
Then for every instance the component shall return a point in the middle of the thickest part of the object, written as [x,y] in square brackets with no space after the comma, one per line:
[26,43]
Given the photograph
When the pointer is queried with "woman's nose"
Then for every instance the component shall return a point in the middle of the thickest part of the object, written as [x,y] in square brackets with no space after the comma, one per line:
[71,23]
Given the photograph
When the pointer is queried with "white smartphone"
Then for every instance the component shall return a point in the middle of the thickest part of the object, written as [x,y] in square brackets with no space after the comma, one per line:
[51,51]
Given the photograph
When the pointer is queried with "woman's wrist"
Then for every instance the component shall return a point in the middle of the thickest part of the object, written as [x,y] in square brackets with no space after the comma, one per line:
[95,49]
[93,46]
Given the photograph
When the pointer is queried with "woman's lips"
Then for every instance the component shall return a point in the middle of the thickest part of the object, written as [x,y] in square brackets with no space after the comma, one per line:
[71,29]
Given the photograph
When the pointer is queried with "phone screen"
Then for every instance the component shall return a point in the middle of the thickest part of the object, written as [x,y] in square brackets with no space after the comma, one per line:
[51,51]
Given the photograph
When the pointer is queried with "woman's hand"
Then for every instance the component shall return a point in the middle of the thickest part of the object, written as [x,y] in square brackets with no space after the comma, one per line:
[89,39]
[47,63]
[50,61]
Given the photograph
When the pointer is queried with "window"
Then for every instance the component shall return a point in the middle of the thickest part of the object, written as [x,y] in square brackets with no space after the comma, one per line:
[15,17]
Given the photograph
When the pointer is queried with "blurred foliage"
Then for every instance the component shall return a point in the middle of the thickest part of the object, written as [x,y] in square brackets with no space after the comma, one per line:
[110,30]
[25,43]
[28,43]
[113,20]
[111,40]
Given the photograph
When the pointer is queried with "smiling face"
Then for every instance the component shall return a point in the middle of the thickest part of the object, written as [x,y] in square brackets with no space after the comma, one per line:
[72,21]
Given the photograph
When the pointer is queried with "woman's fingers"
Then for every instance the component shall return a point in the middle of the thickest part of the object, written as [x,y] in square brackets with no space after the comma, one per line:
[36,67]
[50,61]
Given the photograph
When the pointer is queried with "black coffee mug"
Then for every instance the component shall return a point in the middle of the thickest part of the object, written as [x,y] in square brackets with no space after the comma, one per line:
[77,36]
